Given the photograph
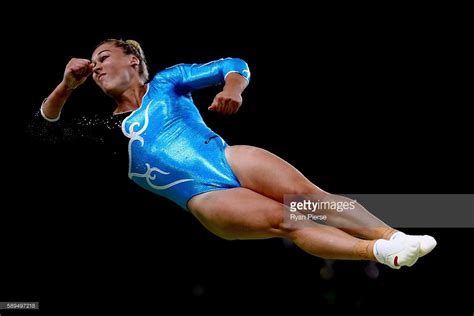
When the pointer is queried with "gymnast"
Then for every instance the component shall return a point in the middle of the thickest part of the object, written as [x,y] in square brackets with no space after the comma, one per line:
[236,192]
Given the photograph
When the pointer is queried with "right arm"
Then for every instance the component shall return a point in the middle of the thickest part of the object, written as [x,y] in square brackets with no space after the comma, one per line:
[76,72]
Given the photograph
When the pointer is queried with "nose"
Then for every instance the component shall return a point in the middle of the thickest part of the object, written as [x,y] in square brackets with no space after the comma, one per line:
[96,67]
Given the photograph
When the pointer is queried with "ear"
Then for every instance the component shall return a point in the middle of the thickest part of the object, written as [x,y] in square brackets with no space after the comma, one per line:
[134,61]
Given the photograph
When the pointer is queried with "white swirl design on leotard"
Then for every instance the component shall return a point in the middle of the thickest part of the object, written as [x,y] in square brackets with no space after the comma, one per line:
[150,174]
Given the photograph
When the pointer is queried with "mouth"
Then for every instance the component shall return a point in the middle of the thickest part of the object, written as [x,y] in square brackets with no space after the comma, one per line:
[100,76]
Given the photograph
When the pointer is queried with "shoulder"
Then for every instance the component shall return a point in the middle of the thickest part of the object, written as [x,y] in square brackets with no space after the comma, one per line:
[171,72]
[170,75]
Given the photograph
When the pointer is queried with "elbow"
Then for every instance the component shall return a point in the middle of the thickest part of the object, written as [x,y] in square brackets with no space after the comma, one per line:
[241,63]
[240,66]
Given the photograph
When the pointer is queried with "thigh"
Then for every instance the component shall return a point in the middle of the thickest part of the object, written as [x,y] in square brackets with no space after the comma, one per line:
[261,171]
[238,213]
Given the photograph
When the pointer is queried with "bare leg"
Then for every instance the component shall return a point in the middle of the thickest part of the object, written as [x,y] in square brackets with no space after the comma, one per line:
[356,221]
[243,214]
[271,176]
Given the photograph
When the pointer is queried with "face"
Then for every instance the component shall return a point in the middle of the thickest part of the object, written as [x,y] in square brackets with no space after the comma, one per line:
[113,70]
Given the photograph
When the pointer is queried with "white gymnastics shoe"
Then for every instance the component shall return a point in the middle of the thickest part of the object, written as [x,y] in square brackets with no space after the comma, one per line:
[427,243]
[397,253]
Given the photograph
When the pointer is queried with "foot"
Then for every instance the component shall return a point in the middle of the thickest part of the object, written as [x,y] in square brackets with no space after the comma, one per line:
[397,253]
[427,243]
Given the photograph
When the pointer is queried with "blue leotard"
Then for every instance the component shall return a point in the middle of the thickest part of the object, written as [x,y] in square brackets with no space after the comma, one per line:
[171,151]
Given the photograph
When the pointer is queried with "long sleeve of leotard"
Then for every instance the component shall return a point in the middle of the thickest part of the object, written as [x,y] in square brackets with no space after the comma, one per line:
[190,77]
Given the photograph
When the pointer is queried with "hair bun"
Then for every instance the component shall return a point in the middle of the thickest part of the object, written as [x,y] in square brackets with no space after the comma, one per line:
[136,45]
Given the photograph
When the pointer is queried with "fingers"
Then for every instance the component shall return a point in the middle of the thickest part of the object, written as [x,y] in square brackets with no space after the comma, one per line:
[213,107]
[224,105]
[78,62]
[77,71]
[216,104]
[79,67]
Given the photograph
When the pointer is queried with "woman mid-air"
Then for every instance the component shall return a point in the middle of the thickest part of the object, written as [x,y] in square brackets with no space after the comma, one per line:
[236,192]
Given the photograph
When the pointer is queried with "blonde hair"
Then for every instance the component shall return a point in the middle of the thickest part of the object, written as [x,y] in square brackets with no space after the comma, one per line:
[131,47]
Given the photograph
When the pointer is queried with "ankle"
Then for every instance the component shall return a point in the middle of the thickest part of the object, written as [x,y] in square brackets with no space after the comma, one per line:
[387,233]
[364,250]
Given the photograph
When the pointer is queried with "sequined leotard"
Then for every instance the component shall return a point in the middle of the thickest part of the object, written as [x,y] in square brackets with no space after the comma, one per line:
[171,150]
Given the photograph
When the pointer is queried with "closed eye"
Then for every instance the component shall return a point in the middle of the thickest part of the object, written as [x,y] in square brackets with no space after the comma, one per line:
[103,57]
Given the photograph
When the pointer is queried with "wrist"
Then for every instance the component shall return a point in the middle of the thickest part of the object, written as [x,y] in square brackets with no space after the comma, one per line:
[235,83]
[232,89]
[64,88]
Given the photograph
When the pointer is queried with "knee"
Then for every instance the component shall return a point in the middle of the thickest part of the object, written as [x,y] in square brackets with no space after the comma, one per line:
[266,223]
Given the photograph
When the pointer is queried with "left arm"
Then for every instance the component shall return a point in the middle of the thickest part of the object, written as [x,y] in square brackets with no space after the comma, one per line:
[233,72]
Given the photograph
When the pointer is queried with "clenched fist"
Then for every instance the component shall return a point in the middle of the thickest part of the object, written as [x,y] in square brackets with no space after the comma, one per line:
[226,102]
[77,71]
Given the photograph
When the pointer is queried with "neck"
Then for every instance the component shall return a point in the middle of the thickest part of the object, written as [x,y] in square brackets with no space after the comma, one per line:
[130,99]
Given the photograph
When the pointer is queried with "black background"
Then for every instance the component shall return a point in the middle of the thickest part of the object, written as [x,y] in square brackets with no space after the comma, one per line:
[360,103]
